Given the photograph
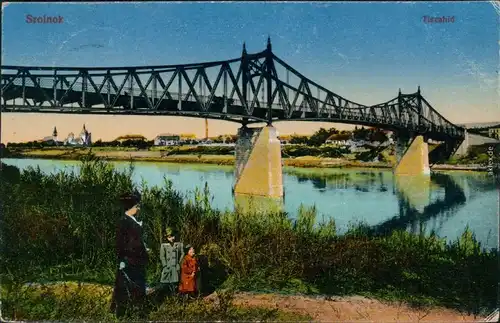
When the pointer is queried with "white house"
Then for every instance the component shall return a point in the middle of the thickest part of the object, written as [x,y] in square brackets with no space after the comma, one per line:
[167,140]
[343,139]
[342,142]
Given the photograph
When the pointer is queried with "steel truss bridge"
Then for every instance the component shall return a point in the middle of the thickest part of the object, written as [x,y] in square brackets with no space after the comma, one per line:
[253,88]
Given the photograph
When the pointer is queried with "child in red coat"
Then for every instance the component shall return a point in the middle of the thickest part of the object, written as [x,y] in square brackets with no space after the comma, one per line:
[189,268]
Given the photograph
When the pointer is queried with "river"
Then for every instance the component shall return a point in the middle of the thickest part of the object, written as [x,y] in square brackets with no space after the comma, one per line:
[447,204]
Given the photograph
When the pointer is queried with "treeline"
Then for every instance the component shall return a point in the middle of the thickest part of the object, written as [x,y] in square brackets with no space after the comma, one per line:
[485,131]
[317,139]
[299,150]
[322,135]
[199,150]
[31,144]
[287,151]
[324,151]
[140,144]
[485,154]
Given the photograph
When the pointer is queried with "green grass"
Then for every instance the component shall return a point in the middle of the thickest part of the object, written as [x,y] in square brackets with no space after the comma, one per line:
[61,227]
[76,302]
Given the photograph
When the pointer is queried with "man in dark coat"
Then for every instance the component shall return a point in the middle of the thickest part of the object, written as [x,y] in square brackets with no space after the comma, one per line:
[132,257]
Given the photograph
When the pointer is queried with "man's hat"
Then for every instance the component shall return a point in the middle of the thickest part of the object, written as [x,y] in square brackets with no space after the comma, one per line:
[169,232]
[130,199]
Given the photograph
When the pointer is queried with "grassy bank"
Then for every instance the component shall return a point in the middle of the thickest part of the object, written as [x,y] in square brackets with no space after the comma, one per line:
[193,155]
[61,227]
[76,301]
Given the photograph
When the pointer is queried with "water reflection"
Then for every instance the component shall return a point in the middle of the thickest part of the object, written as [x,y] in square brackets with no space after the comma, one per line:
[414,190]
[319,183]
[416,208]
[449,203]
[361,181]
[423,202]
[257,204]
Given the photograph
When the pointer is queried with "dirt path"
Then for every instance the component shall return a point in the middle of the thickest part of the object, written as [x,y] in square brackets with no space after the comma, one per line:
[330,309]
[352,309]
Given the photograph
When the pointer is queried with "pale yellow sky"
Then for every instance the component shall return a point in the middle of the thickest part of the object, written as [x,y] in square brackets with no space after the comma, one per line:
[20,127]
[26,127]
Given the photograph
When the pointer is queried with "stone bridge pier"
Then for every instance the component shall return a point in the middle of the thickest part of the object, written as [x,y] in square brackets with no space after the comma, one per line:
[258,167]
[412,171]
[412,155]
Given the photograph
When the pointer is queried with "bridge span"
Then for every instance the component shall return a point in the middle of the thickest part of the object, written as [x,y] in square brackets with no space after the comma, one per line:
[253,88]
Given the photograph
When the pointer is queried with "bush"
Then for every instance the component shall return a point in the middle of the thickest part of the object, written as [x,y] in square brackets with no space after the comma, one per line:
[322,151]
[62,227]
[199,150]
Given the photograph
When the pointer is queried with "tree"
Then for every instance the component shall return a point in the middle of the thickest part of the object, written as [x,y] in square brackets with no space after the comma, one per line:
[298,140]
[360,134]
[187,136]
[234,138]
[320,136]
[378,135]
[219,139]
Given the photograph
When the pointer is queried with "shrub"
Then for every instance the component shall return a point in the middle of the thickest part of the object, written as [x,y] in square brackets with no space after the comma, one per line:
[322,151]
[62,226]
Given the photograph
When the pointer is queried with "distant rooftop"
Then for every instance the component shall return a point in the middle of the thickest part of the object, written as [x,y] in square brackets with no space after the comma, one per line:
[479,124]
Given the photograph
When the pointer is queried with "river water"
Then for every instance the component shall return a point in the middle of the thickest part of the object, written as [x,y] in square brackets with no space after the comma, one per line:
[446,203]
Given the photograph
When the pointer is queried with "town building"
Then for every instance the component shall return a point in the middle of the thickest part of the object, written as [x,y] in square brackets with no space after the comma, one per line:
[167,139]
[340,140]
[50,140]
[84,139]
[494,132]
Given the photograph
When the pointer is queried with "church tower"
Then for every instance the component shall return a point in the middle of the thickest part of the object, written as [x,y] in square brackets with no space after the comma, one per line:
[54,135]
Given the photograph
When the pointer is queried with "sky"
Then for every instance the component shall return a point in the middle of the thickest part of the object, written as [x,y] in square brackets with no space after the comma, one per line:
[364,52]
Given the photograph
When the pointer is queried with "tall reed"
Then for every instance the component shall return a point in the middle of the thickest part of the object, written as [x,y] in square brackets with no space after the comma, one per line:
[62,226]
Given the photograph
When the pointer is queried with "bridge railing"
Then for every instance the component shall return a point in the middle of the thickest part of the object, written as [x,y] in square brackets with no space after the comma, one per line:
[48,84]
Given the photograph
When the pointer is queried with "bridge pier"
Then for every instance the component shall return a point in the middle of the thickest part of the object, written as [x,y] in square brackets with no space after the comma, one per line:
[258,168]
[411,172]
[464,146]
[412,156]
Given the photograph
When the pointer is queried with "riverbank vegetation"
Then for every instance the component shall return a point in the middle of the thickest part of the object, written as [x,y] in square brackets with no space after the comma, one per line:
[293,156]
[287,151]
[61,227]
[485,154]
[372,146]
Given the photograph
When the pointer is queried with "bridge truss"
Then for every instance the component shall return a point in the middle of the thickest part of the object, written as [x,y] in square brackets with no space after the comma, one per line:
[253,88]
